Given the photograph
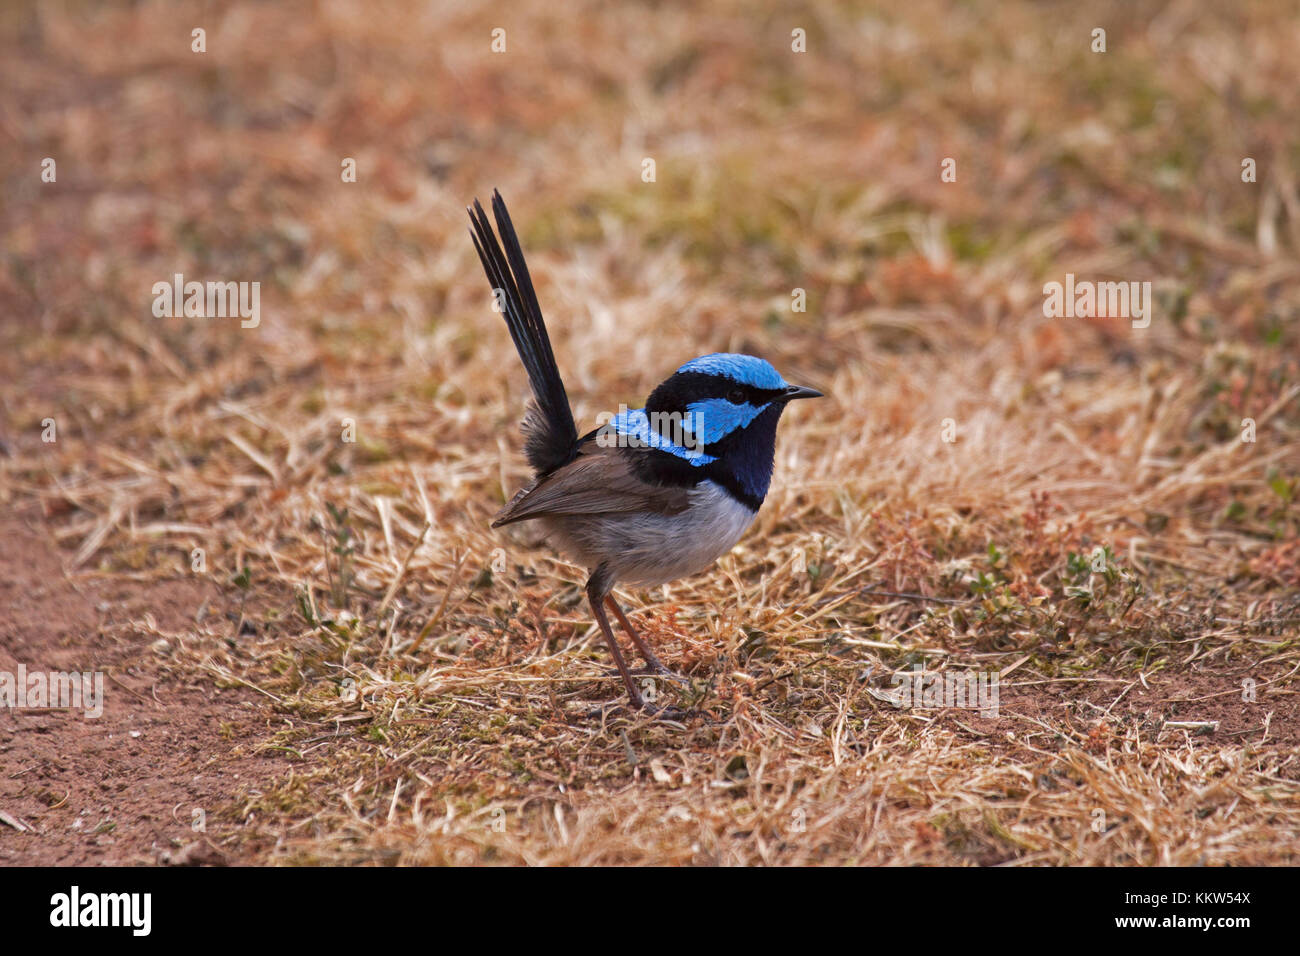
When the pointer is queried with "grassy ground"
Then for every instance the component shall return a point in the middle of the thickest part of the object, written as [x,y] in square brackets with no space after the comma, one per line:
[1099,534]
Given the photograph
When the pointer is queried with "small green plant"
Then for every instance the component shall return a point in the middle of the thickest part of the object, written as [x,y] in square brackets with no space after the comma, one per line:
[243,580]
[1096,582]
[342,549]
[982,584]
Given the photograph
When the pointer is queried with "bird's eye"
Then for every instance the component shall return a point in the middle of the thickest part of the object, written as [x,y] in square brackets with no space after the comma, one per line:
[736,396]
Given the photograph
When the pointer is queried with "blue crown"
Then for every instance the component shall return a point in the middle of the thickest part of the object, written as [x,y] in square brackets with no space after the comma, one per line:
[741,369]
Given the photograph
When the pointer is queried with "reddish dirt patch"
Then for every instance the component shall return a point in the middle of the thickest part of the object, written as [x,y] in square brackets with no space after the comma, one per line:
[121,788]
[1197,695]
[1100,708]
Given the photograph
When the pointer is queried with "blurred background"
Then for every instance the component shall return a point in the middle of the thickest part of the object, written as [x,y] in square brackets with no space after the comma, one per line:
[775,171]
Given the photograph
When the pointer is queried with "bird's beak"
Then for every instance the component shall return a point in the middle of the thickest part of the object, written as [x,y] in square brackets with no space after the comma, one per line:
[801,391]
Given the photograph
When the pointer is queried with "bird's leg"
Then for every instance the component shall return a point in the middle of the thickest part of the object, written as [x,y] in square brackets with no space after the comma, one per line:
[653,664]
[596,599]
[647,655]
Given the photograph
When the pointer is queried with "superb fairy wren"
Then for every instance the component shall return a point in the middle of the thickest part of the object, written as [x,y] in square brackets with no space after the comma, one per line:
[656,494]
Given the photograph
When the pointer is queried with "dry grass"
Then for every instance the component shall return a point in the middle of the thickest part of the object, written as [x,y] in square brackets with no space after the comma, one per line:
[429,708]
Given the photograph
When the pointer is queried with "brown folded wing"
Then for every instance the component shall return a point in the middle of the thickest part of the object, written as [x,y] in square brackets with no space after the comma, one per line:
[599,481]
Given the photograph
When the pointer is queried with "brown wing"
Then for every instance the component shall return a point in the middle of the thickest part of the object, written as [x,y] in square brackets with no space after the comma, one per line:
[599,481]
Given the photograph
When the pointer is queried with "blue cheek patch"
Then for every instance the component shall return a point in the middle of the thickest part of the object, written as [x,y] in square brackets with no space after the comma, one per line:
[715,418]
[706,422]
[631,428]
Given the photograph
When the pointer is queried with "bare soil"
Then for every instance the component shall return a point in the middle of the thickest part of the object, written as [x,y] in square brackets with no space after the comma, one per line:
[123,788]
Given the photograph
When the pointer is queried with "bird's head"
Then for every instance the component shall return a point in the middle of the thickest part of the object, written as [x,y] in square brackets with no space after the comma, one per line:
[723,408]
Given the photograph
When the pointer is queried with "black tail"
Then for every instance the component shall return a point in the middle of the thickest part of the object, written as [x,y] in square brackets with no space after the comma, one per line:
[549,432]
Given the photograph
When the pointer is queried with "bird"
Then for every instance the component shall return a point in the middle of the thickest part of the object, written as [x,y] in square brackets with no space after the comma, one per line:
[654,494]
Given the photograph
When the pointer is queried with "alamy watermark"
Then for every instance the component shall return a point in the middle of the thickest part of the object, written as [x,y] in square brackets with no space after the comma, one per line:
[74,908]
[964,690]
[210,300]
[58,690]
[634,428]
[1086,299]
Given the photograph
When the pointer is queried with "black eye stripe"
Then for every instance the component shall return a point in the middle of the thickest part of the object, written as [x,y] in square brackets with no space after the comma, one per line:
[685,388]
[749,395]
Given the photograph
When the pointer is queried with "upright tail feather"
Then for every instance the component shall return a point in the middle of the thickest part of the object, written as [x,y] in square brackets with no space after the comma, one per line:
[549,432]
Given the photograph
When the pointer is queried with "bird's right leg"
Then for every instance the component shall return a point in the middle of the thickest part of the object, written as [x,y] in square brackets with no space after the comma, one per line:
[654,666]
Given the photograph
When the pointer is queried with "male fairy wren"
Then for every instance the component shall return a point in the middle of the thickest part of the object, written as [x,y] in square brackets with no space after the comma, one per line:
[658,493]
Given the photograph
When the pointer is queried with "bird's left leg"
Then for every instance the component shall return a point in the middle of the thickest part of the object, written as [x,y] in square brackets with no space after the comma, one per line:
[593,597]
[654,666]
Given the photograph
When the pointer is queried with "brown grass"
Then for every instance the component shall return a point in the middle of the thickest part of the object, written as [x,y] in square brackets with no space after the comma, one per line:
[428,707]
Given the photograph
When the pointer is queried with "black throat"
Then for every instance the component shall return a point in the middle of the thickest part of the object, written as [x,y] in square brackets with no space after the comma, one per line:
[743,461]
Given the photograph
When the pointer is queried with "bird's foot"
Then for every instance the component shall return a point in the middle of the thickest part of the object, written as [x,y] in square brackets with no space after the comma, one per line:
[642,708]
[655,669]
[669,712]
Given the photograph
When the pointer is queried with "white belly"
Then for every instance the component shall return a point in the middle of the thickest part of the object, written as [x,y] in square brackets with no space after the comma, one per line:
[648,550]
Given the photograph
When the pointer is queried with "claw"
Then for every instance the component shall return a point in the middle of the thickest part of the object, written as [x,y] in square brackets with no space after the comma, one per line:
[655,670]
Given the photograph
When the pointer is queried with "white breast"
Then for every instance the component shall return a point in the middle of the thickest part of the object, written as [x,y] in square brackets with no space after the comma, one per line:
[647,550]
